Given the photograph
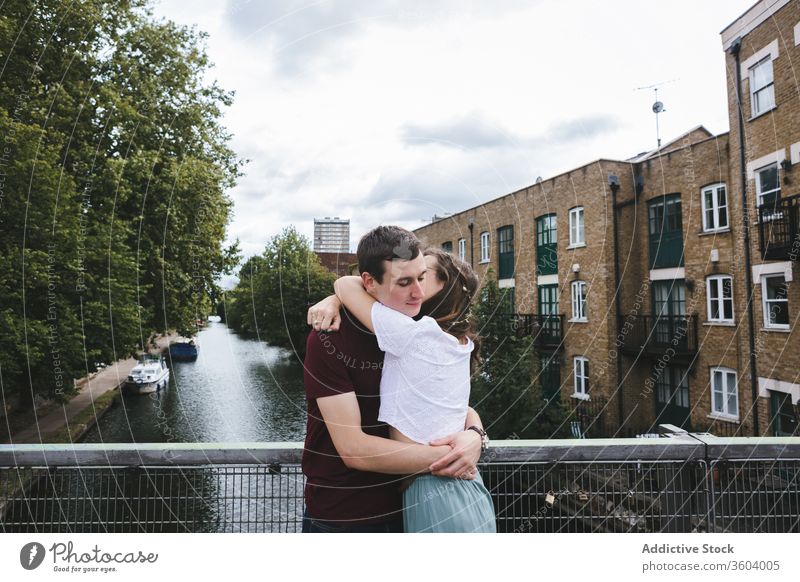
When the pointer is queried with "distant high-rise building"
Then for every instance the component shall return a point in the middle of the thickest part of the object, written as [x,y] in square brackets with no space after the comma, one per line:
[332,235]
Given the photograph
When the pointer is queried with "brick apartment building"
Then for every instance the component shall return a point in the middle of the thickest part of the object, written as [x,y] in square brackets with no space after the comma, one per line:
[633,276]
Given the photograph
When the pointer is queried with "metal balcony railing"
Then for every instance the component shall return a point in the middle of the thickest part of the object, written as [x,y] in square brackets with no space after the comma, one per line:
[546,330]
[688,483]
[588,416]
[675,335]
[779,229]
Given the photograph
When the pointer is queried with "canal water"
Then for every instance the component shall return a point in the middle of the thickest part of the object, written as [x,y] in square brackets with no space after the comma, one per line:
[238,390]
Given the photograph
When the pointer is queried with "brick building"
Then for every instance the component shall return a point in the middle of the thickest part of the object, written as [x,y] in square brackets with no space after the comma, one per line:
[633,276]
[340,264]
[762,51]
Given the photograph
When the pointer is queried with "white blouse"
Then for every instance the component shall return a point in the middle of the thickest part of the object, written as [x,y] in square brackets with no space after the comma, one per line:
[426,378]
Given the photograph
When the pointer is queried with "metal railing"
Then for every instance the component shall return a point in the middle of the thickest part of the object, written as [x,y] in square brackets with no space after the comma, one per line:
[687,483]
[546,330]
[779,228]
[657,335]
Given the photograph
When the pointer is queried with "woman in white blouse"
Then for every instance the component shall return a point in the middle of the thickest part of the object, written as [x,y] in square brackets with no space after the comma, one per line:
[425,386]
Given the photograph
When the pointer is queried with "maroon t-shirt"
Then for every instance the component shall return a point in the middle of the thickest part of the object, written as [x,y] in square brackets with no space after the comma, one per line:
[338,362]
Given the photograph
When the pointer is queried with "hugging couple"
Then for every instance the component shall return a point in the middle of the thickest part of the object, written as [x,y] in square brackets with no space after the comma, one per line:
[392,444]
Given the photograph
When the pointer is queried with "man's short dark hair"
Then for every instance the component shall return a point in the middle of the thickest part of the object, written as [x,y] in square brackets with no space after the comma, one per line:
[385,243]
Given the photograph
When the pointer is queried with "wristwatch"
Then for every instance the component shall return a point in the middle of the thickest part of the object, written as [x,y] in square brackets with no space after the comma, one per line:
[484,436]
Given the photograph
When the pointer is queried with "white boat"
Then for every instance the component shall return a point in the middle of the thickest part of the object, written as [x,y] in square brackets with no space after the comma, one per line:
[149,375]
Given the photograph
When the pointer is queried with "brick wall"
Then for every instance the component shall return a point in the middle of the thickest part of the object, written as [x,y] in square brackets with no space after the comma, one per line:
[683,167]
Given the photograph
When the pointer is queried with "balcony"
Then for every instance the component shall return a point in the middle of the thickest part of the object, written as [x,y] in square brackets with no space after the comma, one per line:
[587,418]
[674,336]
[778,232]
[686,483]
[546,329]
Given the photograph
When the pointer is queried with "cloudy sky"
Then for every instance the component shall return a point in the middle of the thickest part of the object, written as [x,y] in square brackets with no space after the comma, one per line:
[390,111]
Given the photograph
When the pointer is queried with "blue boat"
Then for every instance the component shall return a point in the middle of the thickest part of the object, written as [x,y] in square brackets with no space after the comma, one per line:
[183,350]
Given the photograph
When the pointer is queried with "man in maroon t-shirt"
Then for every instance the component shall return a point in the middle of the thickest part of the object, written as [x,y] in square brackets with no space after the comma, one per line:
[353,470]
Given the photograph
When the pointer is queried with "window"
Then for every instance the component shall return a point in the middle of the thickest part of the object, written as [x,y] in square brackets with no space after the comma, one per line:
[762,91]
[672,396]
[782,418]
[508,298]
[462,249]
[670,323]
[768,185]
[550,375]
[484,247]
[546,245]
[447,246]
[719,291]
[715,207]
[775,299]
[505,247]
[549,318]
[665,226]
[724,393]
[580,368]
[577,237]
[578,301]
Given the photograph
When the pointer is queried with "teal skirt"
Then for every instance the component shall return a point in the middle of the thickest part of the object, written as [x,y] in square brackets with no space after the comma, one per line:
[442,505]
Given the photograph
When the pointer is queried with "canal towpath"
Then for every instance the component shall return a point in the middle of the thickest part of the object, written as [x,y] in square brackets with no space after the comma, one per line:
[91,389]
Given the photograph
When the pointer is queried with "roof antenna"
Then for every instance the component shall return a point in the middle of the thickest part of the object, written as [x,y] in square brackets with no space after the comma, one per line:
[658,106]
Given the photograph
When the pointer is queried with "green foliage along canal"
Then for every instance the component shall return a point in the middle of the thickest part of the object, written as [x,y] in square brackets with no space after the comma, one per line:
[238,390]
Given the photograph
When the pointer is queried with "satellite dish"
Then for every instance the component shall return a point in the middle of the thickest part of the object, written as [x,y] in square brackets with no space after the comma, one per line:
[538,179]
[658,107]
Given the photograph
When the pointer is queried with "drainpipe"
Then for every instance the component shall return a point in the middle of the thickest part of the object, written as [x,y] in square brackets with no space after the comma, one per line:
[471,227]
[617,301]
[735,48]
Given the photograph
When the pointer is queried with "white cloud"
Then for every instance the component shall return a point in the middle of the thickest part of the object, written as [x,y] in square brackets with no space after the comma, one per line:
[334,100]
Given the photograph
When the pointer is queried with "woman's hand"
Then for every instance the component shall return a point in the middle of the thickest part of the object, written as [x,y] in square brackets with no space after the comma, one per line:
[325,314]
[461,462]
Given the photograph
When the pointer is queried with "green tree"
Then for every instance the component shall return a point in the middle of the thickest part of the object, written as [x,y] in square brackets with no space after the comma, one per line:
[505,390]
[275,290]
[114,168]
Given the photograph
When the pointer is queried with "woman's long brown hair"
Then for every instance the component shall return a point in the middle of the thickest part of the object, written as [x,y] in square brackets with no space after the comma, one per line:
[450,307]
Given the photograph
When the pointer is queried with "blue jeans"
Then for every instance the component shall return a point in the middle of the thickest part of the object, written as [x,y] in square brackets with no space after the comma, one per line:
[320,526]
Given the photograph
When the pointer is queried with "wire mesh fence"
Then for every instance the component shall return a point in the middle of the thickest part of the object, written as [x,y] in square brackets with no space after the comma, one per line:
[253,498]
[589,485]
[755,496]
[599,497]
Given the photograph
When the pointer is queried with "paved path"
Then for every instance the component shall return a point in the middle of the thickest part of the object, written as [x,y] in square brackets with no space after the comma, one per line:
[108,379]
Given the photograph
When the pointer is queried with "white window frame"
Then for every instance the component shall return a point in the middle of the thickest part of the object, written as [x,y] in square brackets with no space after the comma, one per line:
[767,88]
[730,410]
[485,247]
[765,302]
[580,303]
[462,249]
[716,207]
[580,377]
[577,228]
[717,281]
[759,192]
